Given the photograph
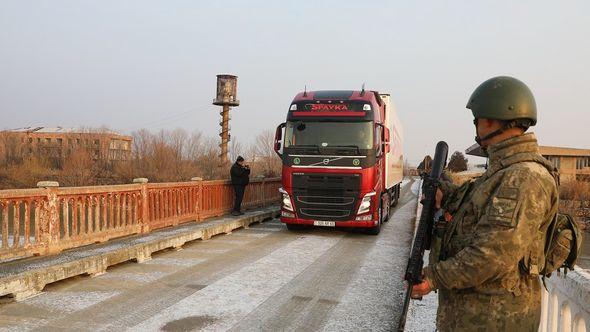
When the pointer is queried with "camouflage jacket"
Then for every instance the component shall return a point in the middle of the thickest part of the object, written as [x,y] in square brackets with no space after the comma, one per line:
[499,220]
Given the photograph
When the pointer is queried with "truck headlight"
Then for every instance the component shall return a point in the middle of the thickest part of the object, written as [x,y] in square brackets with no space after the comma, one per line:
[365,205]
[287,214]
[286,200]
[366,217]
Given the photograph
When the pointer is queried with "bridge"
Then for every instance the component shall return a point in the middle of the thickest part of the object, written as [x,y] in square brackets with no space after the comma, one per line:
[166,256]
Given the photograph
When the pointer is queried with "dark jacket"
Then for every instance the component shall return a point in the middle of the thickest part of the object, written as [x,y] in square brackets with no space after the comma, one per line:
[240,175]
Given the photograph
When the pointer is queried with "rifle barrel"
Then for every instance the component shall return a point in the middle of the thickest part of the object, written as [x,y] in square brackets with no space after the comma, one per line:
[425,226]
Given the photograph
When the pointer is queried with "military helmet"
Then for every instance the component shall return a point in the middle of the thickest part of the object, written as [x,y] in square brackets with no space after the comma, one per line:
[504,98]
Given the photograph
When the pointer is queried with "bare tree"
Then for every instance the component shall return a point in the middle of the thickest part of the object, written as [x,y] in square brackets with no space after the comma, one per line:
[11,149]
[142,142]
[263,155]
[178,141]
[26,174]
[78,169]
[209,161]
[194,146]
[236,149]
[3,148]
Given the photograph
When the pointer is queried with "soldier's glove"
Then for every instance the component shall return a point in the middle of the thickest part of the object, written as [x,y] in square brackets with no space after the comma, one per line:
[421,289]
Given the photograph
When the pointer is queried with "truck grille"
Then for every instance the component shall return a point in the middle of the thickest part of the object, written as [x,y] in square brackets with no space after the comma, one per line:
[325,196]
[323,200]
[324,213]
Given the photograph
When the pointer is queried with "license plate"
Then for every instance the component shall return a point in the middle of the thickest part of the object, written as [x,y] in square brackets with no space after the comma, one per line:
[324,223]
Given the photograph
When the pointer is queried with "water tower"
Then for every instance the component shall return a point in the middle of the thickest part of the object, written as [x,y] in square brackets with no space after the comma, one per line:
[227,89]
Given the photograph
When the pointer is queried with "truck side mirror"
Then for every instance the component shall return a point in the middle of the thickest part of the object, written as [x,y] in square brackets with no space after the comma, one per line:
[385,140]
[278,138]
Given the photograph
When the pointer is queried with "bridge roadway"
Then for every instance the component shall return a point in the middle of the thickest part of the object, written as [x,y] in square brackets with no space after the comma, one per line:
[261,278]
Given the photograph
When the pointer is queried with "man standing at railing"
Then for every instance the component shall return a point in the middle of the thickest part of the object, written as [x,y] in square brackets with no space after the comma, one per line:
[240,177]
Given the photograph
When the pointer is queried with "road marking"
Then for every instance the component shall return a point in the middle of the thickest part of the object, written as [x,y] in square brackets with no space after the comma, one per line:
[230,299]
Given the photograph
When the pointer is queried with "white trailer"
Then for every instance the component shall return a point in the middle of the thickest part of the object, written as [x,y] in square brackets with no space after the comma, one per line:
[394,159]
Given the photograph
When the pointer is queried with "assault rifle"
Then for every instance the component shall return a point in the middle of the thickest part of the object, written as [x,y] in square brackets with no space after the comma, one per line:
[423,235]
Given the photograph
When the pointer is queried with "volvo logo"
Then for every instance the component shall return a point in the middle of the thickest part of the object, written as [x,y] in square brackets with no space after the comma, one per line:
[325,162]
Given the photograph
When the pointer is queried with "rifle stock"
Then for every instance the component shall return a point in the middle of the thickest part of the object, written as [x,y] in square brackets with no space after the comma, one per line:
[425,226]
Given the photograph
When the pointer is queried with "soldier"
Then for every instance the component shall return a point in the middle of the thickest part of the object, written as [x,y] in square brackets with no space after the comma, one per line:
[425,166]
[492,250]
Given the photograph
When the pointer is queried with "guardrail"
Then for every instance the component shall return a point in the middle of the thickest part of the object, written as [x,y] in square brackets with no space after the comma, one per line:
[50,219]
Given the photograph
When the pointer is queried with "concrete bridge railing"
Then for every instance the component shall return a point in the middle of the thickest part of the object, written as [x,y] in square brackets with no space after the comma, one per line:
[50,219]
[566,303]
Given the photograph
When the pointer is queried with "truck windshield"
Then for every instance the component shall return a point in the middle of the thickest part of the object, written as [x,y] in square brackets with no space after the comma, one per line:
[329,134]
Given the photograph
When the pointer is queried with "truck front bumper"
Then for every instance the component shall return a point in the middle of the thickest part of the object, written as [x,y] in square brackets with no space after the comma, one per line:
[347,223]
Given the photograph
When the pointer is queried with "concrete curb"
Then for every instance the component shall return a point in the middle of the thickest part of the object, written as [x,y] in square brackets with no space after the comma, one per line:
[23,279]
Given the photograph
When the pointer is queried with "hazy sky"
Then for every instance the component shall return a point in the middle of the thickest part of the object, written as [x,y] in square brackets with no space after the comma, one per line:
[152,64]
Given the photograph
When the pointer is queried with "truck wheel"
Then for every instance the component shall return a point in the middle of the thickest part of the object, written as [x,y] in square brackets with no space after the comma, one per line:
[296,227]
[376,229]
[387,206]
[395,195]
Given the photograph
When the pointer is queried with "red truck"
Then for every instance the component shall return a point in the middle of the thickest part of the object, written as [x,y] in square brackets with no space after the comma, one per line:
[342,160]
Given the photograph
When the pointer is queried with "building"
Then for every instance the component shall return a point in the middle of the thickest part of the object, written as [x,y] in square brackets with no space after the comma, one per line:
[57,143]
[573,164]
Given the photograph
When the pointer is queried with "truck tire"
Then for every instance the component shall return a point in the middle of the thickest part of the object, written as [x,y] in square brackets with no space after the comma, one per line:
[395,195]
[296,227]
[376,229]
[385,216]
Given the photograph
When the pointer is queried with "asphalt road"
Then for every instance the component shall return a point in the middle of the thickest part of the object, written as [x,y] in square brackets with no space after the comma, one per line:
[262,278]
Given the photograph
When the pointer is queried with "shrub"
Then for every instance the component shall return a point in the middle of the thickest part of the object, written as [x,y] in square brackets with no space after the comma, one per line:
[458,162]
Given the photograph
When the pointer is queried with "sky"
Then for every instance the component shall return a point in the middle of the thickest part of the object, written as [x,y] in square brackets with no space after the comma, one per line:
[152,64]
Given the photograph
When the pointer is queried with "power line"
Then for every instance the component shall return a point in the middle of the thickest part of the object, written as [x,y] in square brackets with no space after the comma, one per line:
[174,117]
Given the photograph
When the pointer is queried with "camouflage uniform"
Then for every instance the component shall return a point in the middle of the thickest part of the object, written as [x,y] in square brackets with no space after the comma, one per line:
[499,220]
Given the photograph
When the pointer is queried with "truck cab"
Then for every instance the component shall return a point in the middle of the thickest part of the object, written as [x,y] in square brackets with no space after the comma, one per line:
[338,162]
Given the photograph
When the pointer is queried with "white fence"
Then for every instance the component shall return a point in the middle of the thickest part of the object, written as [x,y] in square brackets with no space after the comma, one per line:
[566,305]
